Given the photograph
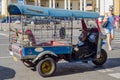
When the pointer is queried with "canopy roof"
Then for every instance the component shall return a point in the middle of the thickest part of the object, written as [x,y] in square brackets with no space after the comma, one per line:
[17,9]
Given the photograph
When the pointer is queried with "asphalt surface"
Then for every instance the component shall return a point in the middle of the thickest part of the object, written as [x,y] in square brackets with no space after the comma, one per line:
[11,70]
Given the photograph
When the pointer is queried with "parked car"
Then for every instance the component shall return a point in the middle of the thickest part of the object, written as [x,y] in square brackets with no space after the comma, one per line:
[10,19]
[35,20]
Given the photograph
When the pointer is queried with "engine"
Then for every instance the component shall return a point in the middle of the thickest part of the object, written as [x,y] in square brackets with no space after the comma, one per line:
[80,52]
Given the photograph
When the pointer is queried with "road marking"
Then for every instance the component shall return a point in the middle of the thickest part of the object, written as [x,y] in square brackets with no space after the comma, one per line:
[117,38]
[2,38]
[4,34]
[115,75]
[6,57]
[3,44]
[104,70]
[116,42]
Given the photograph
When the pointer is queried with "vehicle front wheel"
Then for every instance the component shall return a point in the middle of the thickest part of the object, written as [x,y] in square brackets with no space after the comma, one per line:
[102,59]
[46,67]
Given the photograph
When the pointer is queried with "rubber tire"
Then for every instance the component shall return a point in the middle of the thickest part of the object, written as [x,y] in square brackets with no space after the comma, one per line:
[52,61]
[103,58]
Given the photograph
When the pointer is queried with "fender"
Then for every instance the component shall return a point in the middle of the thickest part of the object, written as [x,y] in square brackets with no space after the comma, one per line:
[103,37]
[103,43]
[42,54]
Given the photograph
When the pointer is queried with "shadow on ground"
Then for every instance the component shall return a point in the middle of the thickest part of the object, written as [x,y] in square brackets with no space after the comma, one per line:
[112,63]
[6,73]
[77,67]
[116,48]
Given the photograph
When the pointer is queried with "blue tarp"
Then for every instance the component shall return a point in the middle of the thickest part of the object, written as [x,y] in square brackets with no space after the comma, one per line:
[17,9]
[85,14]
[59,13]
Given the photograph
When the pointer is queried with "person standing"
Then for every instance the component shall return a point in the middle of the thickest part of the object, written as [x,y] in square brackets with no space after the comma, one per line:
[109,30]
[117,22]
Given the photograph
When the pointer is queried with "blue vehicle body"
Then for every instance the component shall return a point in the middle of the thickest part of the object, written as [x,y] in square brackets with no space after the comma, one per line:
[55,49]
[10,19]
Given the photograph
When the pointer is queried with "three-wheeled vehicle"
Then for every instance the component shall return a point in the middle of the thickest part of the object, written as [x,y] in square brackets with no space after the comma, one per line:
[46,35]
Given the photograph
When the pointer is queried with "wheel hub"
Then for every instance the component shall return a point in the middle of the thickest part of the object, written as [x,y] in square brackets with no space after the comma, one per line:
[46,67]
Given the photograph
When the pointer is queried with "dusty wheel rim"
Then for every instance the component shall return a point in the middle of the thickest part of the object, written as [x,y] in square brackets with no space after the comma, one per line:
[46,67]
[100,59]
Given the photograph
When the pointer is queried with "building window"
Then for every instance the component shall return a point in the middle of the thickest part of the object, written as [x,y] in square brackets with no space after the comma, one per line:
[14,1]
[70,4]
[57,5]
[89,4]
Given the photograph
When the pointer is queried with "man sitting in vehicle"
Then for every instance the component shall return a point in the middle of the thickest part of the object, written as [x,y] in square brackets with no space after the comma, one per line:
[82,38]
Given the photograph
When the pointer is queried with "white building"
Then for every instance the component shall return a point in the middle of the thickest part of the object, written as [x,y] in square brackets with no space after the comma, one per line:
[104,6]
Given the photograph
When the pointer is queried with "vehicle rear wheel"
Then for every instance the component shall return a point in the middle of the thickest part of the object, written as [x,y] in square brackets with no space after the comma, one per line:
[102,59]
[46,67]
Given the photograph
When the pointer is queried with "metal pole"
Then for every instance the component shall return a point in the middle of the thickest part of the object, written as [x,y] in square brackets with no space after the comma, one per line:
[72,30]
[9,28]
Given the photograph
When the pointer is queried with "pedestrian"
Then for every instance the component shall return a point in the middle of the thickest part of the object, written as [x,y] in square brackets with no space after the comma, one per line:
[117,22]
[109,29]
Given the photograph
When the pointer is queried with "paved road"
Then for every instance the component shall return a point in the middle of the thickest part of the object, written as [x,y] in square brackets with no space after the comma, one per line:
[10,70]
[117,37]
